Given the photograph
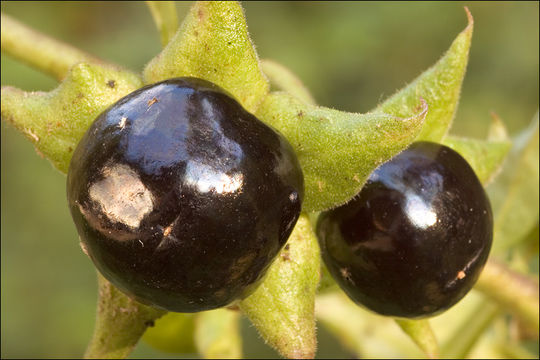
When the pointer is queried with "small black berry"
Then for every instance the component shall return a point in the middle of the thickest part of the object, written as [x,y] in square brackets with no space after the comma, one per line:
[413,242]
[181,197]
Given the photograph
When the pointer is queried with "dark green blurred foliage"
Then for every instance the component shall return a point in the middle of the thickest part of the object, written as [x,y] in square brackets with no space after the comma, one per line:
[351,55]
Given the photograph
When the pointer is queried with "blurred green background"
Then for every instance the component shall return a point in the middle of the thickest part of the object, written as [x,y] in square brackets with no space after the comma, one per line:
[351,55]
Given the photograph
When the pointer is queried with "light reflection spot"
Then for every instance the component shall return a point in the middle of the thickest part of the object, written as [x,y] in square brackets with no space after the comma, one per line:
[420,213]
[293,196]
[206,179]
[122,196]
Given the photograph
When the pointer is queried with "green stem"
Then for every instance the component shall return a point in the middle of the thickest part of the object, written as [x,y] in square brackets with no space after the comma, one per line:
[465,337]
[40,51]
[217,334]
[283,79]
[120,322]
[422,334]
[513,351]
[165,17]
[515,292]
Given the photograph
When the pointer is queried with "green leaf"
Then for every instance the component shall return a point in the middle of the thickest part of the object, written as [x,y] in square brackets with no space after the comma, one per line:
[283,79]
[120,323]
[338,150]
[364,333]
[174,333]
[55,121]
[421,333]
[497,130]
[282,307]
[514,195]
[439,86]
[213,44]
[165,17]
[217,334]
[485,156]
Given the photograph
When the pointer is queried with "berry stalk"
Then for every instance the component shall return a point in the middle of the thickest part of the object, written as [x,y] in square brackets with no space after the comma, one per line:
[120,323]
[40,51]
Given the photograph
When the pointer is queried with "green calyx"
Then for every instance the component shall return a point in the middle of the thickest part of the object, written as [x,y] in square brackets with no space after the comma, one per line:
[337,151]
[55,121]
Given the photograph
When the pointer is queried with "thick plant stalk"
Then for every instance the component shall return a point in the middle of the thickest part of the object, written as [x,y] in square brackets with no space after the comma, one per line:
[120,323]
[165,17]
[513,291]
[459,345]
[40,51]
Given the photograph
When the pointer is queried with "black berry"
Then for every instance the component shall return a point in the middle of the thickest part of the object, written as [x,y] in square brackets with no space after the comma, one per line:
[413,242]
[182,198]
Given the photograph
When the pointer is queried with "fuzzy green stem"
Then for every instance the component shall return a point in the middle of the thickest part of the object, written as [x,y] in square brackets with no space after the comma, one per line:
[515,292]
[165,17]
[120,323]
[40,51]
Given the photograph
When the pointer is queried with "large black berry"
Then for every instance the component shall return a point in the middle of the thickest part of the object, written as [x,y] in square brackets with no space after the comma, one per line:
[413,242]
[182,198]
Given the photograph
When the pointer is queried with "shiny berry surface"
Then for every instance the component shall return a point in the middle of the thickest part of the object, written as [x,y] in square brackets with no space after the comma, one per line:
[413,242]
[182,198]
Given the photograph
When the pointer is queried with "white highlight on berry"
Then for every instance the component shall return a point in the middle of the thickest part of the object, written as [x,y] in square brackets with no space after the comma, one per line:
[420,213]
[122,196]
[207,179]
